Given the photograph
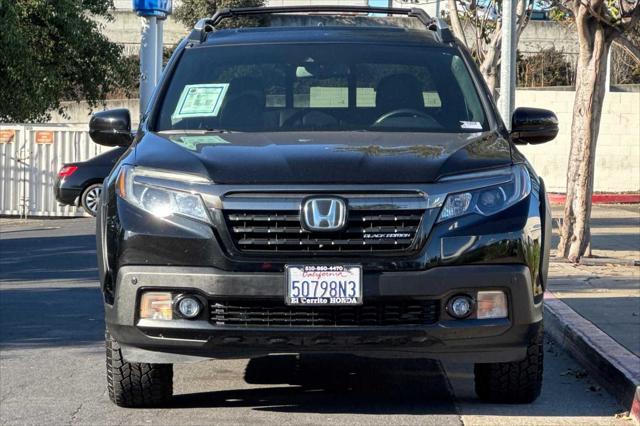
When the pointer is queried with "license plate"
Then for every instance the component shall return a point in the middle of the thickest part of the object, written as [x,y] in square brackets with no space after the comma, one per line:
[323,285]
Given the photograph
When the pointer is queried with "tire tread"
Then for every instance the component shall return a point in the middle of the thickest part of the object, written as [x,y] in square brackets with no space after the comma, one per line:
[132,384]
[517,382]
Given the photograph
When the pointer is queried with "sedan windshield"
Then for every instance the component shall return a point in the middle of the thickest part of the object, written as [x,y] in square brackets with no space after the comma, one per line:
[321,87]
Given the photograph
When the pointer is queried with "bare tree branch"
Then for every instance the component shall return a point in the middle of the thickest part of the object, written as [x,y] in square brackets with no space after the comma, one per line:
[629,47]
[479,27]
[455,22]
[522,15]
[635,9]
[595,14]
[633,18]
[558,5]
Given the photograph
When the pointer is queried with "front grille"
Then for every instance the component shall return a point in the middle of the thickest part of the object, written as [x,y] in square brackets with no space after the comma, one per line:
[366,231]
[269,313]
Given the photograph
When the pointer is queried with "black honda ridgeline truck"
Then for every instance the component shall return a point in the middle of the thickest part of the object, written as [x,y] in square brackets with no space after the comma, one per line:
[337,188]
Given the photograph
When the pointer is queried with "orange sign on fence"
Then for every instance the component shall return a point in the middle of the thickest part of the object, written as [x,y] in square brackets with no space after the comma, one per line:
[7,136]
[44,137]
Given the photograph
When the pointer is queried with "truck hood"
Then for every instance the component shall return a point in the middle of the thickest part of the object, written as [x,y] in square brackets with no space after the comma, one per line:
[322,157]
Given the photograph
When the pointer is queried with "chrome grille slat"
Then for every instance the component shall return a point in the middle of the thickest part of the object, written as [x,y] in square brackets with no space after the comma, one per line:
[389,218]
[267,217]
[267,230]
[376,224]
[315,241]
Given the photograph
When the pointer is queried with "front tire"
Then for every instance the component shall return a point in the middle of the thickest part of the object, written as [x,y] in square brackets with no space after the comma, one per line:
[518,382]
[133,384]
[90,198]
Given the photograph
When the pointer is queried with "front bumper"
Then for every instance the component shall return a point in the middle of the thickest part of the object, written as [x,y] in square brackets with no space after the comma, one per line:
[66,196]
[471,340]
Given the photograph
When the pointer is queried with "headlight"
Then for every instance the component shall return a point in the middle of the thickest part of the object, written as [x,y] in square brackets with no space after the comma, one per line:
[134,187]
[489,200]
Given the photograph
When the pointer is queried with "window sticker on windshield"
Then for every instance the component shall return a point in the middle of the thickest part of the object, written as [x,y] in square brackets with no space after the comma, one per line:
[200,100]
[195,143]
[473,125]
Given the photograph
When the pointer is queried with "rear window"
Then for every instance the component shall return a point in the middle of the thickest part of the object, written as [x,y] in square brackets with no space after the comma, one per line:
[321,87]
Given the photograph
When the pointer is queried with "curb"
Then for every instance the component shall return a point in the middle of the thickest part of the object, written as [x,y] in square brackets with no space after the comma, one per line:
[599,261]
[602,198]
[612,365]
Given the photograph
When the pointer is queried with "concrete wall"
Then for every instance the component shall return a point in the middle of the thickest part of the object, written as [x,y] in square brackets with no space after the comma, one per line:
[125,29]
[539,35]
[618,150]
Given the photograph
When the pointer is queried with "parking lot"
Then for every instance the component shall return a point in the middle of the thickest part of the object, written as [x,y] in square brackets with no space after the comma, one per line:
[52,363]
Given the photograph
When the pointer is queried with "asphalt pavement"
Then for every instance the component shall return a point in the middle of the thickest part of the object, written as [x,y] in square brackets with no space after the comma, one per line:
[52,363]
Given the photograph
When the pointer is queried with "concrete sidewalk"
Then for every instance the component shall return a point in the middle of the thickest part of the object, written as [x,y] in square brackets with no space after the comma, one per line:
[593,308]
[606,293]
[615,232]
[608,296]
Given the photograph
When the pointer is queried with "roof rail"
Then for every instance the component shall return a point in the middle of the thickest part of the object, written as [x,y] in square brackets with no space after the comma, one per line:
[206,25]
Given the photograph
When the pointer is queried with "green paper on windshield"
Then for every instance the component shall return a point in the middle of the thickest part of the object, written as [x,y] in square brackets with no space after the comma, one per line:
[194,143]
[200,100]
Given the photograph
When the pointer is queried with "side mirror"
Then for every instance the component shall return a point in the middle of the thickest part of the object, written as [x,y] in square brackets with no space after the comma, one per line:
[111,127]
[533,126]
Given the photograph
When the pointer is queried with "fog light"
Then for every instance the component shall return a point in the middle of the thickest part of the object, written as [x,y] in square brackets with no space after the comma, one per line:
[459,306]
[189,307]
[157,306]
[492,304]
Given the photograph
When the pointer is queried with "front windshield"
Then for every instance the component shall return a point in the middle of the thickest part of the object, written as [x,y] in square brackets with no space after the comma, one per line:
[321,87]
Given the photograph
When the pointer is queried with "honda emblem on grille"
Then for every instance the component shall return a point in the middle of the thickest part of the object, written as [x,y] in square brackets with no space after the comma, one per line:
[324,214]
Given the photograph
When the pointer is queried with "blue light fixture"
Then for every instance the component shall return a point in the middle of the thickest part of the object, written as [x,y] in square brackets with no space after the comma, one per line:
[158,8]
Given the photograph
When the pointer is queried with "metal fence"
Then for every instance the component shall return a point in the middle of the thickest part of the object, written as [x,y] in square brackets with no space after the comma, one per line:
[555,68]
[31,156]
[546,68]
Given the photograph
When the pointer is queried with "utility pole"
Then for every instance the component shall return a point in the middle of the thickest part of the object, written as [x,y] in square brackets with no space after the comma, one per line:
[508,62]
[148,63]
[152,13]
[607,84]
[160,47]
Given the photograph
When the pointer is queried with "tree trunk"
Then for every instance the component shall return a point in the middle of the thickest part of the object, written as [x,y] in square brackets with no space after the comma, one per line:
[456,25]
[489,71]
[489,65]
[490,75]
[485,45]
[590,90]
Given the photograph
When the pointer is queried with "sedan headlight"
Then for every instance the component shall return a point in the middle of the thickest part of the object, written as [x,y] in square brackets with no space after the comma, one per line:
[489,200]
[143,188]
